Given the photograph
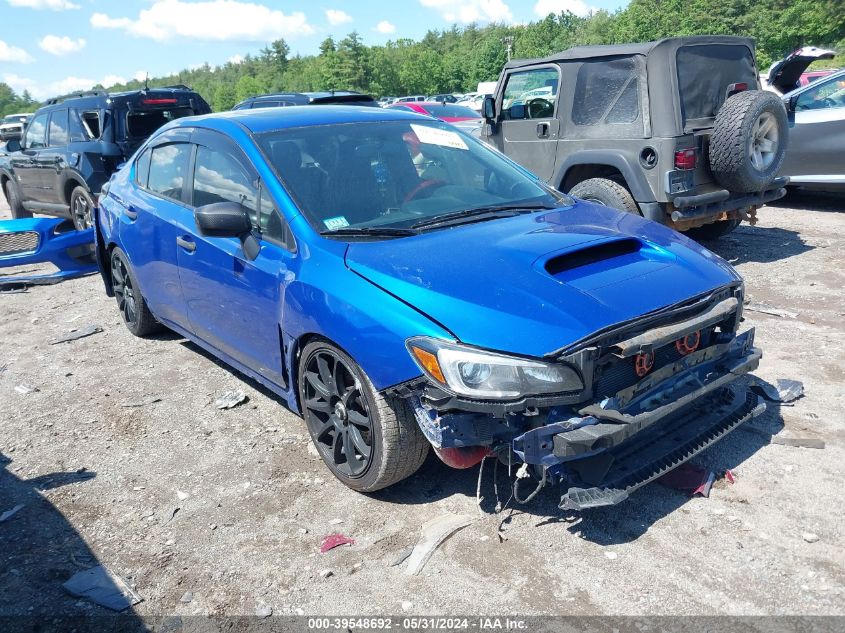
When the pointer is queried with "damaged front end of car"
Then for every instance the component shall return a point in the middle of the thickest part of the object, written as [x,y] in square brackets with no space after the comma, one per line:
[602,416]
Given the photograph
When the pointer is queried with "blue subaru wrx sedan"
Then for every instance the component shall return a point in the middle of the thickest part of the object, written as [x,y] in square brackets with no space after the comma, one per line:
[402,285]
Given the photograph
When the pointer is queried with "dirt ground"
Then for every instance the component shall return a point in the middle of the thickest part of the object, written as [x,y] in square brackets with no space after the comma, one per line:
[216,512]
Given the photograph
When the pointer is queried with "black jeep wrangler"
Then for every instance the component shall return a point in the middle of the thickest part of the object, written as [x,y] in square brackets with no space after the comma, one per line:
[72,145]
[677,130]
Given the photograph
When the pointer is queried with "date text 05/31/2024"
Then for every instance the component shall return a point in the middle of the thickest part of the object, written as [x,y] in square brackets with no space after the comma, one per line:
[418,623]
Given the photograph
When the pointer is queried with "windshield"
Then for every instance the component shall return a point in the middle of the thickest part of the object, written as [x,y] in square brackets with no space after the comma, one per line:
[395,174]
[14,118]
[452,111]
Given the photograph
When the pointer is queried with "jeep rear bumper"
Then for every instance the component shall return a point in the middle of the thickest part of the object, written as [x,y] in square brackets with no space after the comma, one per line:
[713,203]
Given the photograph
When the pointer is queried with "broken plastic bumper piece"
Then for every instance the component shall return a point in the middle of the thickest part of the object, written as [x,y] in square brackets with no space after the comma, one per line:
[45,240]
[642,432]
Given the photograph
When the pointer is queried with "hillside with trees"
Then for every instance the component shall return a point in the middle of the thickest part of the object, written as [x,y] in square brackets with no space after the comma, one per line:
[456,59]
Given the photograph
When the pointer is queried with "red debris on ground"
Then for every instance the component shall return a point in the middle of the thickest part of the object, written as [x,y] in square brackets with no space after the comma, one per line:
[690,478]
[730,476]
[334,540]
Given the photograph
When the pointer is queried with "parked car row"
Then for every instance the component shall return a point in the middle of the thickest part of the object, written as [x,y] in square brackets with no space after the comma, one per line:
[12,125]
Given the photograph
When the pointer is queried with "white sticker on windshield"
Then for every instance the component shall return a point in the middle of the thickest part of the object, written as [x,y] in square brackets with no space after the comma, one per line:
[434,136]
[338,222]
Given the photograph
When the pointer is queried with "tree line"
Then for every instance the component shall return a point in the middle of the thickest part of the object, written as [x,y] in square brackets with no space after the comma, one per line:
[456,59]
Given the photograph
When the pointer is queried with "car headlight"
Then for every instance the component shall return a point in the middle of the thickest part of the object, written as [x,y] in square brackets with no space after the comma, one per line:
[476,373]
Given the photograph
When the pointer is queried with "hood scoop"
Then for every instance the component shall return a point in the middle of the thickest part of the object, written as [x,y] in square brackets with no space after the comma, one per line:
[606,263]
[592,254]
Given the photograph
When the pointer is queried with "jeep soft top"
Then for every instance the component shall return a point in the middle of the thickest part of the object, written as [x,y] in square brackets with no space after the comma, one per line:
[676,129]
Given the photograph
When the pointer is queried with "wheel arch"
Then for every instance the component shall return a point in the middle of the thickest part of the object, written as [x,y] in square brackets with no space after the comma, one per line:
[603,164]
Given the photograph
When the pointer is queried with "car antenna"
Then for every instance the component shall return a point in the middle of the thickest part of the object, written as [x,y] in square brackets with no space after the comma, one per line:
[147,81]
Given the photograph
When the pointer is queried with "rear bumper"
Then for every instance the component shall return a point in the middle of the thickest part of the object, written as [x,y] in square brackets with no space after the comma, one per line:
[714,203]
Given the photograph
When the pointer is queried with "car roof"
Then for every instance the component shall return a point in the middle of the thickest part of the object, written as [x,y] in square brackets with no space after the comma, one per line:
[268,119]
[640,48]
[98,97]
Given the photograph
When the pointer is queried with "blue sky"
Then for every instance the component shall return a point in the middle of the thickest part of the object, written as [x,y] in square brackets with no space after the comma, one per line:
[55,46]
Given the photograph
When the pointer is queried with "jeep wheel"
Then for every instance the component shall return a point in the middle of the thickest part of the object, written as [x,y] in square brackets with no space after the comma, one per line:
[712,231]
[18,212]
[748,141]
[367,441]
[607,192]
[81,209]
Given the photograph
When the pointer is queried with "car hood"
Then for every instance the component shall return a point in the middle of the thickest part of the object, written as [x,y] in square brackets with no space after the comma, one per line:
[532,284]
[784,75]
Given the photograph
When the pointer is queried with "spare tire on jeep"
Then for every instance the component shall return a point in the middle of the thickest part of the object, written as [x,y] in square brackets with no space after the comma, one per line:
[748,141]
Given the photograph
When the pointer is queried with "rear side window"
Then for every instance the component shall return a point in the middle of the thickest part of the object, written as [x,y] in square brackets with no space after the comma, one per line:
[168,165]
[142,168]
[266,104]
[75,127]
[36,133]
[606,91]
[219,177]
[58,128]
[92,123]
[140,124]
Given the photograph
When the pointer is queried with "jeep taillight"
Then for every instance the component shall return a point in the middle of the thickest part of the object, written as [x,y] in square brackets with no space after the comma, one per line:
[685,159]
[733,89]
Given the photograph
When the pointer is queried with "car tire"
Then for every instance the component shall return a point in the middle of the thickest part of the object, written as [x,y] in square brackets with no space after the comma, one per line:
[133,308]
[81,208]
[712,231]
[607,192]
[15,204]
[385,440]
[749,141]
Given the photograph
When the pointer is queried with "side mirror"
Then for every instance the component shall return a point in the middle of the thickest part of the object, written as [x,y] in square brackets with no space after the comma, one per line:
[517,111]
[488,108]
[222,219]
[791,103]
[13,145]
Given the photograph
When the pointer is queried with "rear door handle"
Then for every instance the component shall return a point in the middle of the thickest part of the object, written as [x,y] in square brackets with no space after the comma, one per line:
[542,130]
[188,244]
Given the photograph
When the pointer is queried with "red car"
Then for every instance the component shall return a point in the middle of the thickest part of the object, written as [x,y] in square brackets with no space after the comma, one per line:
[449,112]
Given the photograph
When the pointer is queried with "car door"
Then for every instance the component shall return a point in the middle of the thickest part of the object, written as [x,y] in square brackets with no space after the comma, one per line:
[24,163]
[155,213]
[527,124]
[817,134]
[233,302]
[52,159]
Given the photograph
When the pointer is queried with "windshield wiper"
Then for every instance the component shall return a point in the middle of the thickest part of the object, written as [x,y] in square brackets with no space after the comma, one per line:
[495,211]
[367,231]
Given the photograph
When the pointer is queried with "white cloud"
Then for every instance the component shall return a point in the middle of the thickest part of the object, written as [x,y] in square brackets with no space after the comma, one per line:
[55,5]
[385,27]
[43,91]
[578,7]
[140,75]
[235,59]
[466,11]
[9,53]
[56,45]
[337,17]
[214,20]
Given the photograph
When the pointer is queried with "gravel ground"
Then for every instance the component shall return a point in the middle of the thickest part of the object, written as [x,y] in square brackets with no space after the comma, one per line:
[222,512]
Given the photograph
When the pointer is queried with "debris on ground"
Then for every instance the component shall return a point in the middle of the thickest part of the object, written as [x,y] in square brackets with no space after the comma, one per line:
[263,610]
[764,308]
[691,478]
[25,389]
[433,533]
[102,587]
[798,442]
[182,495]
[784,390]
[74,335]
[326,573]
[334,540]
[8,514]
[403,556]
[230,399]
[730,476]
[141,403]
[187,597]
[810,537]
[611,555]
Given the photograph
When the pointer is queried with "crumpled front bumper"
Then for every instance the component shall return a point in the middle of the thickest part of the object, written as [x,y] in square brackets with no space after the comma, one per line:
[643,431]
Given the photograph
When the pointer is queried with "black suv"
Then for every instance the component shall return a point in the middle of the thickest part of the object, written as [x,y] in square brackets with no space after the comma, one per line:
[282,99]
[73,144]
